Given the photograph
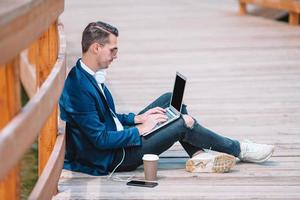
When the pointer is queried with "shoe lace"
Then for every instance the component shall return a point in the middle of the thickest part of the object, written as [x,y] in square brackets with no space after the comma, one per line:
[246,149]
[208,150]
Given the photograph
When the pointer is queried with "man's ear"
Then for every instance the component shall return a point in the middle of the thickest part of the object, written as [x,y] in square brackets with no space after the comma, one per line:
[95,48]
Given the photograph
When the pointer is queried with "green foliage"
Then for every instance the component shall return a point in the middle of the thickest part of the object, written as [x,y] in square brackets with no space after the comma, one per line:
[29,163]
[29,171]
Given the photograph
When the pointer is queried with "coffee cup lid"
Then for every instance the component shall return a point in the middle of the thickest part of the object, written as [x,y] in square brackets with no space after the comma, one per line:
[150,157]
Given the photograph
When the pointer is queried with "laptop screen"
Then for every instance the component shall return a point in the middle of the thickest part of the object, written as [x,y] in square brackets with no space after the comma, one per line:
[178,91]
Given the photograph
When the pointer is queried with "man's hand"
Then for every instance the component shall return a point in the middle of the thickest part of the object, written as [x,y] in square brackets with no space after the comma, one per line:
[140,119]
[150,122]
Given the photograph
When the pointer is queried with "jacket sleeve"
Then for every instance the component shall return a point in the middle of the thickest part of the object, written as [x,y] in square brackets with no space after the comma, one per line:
[78,108]
[126,119]
[90,124]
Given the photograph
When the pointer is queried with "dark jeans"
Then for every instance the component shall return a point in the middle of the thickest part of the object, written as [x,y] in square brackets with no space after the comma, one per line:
[192,140]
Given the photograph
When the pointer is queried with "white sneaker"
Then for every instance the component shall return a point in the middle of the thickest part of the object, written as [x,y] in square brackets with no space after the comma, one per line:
[253,152]
[210,162]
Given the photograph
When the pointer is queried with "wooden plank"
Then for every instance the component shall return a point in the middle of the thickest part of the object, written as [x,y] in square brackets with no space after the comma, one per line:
[242,8]
[12,29]
[294,18]
[10,106]
[20,133]
[48,52]
[190,192]
[290,5]
[33,52]
[27,75]
[46,187]
[243,82]
[201,181]
[80,186]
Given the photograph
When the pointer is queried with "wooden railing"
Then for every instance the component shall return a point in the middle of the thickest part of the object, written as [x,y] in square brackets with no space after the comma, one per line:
[32,53]
[291,6]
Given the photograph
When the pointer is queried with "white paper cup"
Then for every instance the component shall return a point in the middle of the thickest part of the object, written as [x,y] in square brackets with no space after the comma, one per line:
[150,166]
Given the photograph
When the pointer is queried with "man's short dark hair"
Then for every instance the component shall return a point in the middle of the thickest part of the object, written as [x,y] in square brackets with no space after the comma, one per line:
[97,32]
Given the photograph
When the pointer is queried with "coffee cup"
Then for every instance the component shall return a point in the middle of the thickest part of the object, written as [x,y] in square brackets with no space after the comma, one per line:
[150,166]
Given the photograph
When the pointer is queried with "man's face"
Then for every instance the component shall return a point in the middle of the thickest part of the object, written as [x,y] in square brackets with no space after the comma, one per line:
[107,52]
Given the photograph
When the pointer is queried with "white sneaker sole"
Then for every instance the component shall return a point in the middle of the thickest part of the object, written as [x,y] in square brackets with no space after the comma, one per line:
[217,164]
[262,160]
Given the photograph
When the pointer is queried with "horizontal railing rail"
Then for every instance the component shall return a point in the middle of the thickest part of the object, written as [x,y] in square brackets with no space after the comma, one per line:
[291,6]
[23,129]
[46,186]
[23,25]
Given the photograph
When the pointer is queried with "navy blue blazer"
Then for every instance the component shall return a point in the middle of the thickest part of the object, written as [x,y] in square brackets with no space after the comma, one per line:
[91,136]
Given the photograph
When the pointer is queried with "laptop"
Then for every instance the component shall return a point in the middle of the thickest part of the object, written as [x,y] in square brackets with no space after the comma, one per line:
[173,112]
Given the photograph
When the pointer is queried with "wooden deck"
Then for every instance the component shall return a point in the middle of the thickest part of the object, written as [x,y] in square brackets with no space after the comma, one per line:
[243,81]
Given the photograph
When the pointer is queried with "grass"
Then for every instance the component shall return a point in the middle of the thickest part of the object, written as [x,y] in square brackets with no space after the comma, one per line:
[29,171]
[29,163]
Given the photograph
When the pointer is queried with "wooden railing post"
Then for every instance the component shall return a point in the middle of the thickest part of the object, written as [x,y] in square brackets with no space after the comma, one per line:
[47,56]
[294,18]
[33,52]
[292,6]
[10,104]
[30,59]
[242,8]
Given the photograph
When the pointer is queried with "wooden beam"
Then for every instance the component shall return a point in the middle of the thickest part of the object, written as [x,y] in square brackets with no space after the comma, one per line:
[48,49]
[27,75]
[243,8]
[46,187]
[33,52]
[18,135]
[13,31]
[10,104]
[294,18]
[289,5]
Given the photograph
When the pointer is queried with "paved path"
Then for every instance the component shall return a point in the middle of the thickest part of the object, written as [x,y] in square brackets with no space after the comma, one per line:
[243,81]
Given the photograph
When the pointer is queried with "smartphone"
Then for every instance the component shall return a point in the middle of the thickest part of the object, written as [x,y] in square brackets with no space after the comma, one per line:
[142,183]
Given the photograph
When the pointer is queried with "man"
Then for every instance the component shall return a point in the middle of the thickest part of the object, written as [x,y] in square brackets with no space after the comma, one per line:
[100,140]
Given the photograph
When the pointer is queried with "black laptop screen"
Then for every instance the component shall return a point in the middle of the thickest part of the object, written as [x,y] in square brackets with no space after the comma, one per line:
[178,92]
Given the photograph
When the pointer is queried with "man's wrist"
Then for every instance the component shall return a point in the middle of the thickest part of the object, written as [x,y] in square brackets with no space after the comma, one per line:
[137,119]
[140,129]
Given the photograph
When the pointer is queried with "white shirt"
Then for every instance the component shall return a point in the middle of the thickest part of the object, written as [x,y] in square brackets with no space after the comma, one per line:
[100,78]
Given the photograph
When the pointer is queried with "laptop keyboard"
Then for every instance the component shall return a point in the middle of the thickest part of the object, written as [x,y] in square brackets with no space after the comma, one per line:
[169,115]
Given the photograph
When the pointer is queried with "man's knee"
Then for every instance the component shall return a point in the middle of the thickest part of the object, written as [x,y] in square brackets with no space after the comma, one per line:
[167,96]
[189,121]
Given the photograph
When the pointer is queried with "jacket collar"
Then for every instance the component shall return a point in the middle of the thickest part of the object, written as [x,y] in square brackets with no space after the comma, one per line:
[86,68]
[93,81]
